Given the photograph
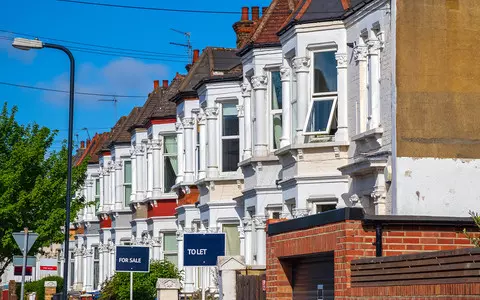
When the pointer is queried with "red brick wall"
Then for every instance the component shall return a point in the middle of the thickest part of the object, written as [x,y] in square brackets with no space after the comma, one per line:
[350,240]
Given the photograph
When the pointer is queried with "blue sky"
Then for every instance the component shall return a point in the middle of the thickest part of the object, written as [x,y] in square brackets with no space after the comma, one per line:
[116,27]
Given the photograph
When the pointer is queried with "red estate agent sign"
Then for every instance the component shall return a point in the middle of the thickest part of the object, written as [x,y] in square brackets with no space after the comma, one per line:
[48,268]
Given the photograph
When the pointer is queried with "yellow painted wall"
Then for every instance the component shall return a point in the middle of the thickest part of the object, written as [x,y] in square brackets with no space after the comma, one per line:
[438,78]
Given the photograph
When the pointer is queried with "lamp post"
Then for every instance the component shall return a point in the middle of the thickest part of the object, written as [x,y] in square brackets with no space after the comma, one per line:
[27,44]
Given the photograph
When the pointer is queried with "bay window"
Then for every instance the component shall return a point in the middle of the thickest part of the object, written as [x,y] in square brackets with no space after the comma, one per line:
[127,182]
[230,138]
[275,91]
[170,247]
[321,118]
[170,163]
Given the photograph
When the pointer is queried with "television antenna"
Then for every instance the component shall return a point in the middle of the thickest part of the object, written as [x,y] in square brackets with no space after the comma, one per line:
[86,129]
[188,45]
[115,101]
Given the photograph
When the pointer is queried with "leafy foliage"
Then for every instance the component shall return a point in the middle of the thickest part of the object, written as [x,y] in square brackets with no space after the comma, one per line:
[474,240]
[39,286]
[32,185]
[118,287]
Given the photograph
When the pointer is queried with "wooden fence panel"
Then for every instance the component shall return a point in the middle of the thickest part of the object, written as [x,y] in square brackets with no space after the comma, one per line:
[251,287]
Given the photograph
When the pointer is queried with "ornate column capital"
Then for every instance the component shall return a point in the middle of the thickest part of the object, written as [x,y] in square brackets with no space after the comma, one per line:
[179,235]
[178,126]
[240,110]
[259,82]
[188,122]
[201,118]
[157,144]
[360,52]
[342,60]
[118,165]
[260,222]
[300,212]
[374,46]
[89,182]
[139,150]
[285,73]
[211,113]
[246,90]
[301,64]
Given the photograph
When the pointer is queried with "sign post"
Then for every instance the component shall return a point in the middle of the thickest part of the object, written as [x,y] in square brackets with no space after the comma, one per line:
[132,259]
[202,250]
[25,241]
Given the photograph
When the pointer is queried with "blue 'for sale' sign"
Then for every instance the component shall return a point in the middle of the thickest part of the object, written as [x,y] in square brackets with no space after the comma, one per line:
[132,259]
[203,249]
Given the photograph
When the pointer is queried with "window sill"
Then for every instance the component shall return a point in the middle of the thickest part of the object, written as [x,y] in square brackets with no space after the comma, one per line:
[251,160]
[374,133]
[232,177]
[287,149]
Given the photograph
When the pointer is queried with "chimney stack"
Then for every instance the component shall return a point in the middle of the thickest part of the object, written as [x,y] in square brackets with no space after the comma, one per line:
[196,55]
[165,84]
[88,142]
[82,145]
[255,13]
[156,83]
[243,28]
[264,10]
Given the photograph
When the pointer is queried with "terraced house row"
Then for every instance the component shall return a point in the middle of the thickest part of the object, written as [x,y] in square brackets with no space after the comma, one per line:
[322,105]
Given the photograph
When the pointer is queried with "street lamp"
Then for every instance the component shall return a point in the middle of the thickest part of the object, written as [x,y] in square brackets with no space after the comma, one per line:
[27,44]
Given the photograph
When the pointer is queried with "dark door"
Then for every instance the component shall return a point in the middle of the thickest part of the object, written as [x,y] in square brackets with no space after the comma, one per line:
[312,278]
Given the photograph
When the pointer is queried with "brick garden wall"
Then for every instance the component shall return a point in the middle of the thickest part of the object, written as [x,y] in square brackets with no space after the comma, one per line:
[351,240]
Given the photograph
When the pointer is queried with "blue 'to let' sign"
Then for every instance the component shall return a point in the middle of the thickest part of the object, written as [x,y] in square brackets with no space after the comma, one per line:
[132,259]
[203,249]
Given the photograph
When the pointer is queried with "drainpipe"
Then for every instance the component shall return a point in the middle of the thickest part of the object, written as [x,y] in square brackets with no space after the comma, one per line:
[378,240]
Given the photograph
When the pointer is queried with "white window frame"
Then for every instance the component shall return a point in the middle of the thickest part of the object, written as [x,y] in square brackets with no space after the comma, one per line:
[168,252]
[125,184]
[165,155]
[320,97]
[97,196]
[228,137]
[272,112]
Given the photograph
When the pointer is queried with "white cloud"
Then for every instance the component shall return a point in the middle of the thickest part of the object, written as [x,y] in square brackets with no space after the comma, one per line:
[123,76]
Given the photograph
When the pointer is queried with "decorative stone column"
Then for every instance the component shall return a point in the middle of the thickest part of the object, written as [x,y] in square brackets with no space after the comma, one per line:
[374,48]
[88,284]
[168,288]
[247,131]
[50,289]
[342,108]
[118,185]
[259,84]
[113,182]
[106,260]
[301,65]
[247,228]
[261,239]
[84,266]
[157,247]
[181,152]
[379,194]
[157,167]
[91,208]
[212,163]
[133,161]
[150,166]
[285,74]
[241,127]
[140,151]
[202,172]
[102,194]
[360,55]
[112,259]
[241,235]
[101,262]
[188,124]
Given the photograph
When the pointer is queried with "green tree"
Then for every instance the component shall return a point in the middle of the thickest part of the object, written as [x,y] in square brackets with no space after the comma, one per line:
[118,287]
[474,240]
[32,185]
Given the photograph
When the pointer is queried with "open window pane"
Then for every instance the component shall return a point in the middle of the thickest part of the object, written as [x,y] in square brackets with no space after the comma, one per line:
[319,119]
[277,130]
[229,120]
[325,72]
[276,90]
[170,241]
[170,144]
[230,154]
[232,239]
[169,172]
